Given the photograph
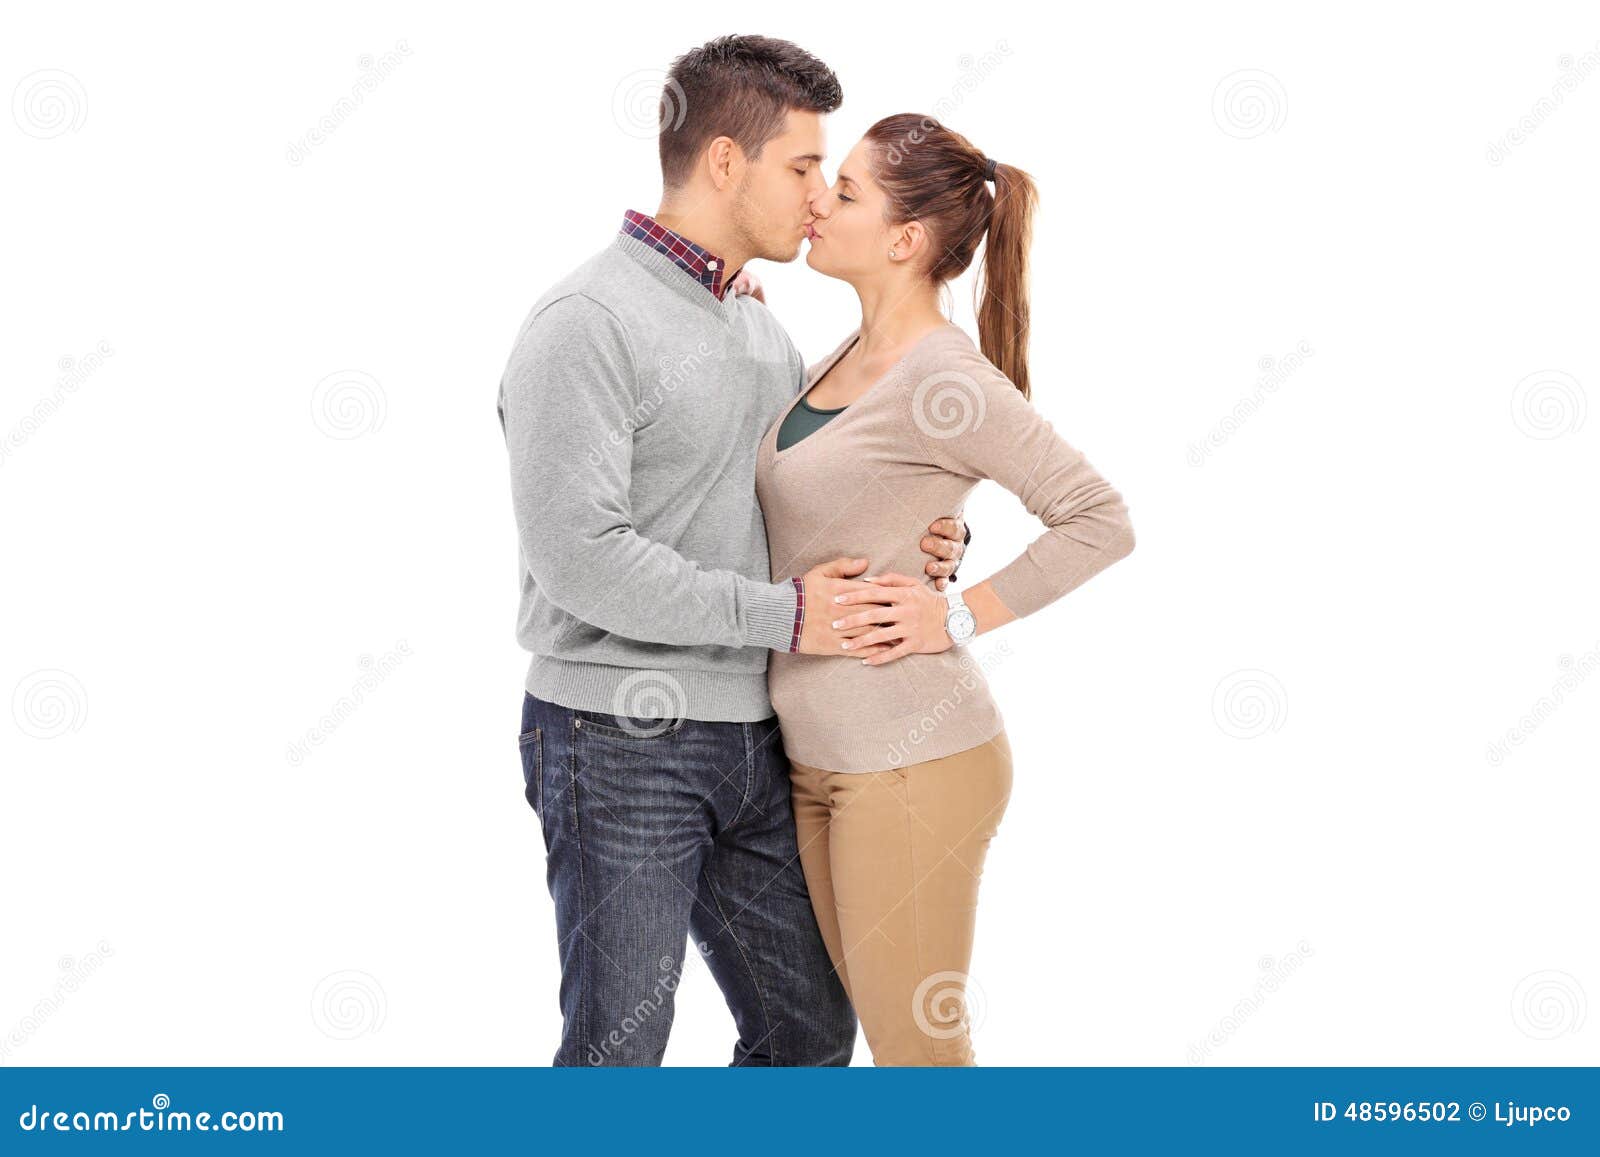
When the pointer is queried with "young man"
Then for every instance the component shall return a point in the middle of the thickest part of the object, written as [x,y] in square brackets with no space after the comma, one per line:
[632,407]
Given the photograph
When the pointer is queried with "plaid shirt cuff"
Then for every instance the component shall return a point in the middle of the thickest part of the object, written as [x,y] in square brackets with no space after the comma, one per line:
[799,614]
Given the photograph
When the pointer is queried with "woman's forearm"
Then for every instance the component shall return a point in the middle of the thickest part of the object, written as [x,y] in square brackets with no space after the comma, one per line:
[986,607]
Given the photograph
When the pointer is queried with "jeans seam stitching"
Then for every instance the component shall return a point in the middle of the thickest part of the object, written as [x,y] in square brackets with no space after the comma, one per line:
[755,980]
[583,892]
[749,760]
[538,769]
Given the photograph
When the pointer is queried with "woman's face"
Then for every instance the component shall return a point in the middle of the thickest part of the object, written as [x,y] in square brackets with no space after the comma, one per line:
[850,238]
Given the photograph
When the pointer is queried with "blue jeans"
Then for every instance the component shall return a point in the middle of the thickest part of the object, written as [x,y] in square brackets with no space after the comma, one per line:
[658,829]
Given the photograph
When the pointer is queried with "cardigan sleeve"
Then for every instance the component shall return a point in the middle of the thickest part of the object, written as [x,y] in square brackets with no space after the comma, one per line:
[973,421]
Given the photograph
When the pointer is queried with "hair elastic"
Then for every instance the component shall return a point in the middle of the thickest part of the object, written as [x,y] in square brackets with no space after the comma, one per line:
[988,168]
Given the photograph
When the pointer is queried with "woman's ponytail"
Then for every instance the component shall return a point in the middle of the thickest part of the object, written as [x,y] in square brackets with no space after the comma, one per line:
[1002,292]
[935,175]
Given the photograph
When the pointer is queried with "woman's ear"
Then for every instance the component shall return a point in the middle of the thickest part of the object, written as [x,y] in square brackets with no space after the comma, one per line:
[908,240]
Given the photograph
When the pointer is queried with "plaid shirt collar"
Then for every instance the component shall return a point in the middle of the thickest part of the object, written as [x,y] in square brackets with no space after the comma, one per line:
[702,265]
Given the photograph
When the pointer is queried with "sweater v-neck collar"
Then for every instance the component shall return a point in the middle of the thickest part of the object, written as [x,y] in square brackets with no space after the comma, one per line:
[708,270]
[670,274]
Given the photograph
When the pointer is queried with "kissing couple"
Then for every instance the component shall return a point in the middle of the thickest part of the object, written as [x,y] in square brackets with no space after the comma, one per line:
[751,716]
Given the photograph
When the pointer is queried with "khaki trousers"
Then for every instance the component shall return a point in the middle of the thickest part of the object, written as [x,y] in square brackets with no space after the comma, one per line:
[893,860]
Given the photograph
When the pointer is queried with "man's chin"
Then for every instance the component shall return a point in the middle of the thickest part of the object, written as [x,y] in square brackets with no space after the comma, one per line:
[783,255]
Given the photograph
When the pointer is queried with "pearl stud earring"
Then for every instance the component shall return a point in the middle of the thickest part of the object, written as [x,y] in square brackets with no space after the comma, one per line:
[891,253]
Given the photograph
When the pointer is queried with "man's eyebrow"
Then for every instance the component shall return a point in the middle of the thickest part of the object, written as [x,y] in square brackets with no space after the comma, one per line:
[817,157]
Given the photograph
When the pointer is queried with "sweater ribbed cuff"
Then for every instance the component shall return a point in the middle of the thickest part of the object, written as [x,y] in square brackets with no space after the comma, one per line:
[773,615]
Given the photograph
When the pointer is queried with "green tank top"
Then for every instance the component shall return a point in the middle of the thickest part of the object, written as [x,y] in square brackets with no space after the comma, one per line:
[803,419]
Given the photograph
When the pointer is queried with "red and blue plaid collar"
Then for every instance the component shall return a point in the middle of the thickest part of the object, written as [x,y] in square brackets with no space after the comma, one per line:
[704,266]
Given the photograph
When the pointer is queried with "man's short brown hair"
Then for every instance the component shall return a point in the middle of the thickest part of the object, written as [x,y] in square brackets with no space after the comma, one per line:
[741,87]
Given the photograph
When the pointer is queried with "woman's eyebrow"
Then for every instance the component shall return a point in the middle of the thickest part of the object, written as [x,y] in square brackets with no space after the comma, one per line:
[844,176]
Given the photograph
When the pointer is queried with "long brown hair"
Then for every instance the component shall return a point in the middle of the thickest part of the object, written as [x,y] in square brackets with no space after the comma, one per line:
[935,175]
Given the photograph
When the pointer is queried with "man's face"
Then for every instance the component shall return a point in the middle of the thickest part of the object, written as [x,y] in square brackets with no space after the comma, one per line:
[772,204]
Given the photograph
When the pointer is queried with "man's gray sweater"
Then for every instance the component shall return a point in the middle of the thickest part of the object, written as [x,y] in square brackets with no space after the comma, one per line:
[632,407]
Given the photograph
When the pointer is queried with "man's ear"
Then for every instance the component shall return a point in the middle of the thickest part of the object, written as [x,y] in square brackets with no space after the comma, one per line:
[725,162]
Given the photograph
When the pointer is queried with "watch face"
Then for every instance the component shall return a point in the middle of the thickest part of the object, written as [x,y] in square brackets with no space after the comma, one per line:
[962,625]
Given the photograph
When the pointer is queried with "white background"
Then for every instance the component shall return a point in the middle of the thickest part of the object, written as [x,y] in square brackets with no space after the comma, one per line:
[1256,820]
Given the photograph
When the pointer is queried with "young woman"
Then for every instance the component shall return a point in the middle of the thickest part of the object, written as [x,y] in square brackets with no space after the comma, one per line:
[900,767]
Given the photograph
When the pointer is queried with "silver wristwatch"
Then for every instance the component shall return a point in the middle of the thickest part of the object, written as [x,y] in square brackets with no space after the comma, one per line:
[959,621]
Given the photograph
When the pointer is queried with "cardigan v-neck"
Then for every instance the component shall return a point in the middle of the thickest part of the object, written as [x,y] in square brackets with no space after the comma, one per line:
[821,369]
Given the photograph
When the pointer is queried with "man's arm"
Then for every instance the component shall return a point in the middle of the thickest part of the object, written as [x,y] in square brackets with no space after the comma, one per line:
[565,409]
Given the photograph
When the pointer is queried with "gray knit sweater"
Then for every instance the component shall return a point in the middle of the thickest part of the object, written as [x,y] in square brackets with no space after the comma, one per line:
[632,407]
